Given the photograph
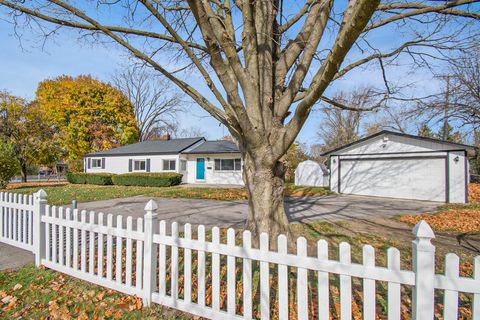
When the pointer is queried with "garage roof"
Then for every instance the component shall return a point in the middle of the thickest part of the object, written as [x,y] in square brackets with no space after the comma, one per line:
[388,132]
[172,146]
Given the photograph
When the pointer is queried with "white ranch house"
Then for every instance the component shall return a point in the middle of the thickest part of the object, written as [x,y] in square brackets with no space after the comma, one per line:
[398,165]
[199,160]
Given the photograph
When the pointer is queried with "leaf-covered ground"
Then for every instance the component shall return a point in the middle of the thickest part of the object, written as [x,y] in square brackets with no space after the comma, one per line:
[453,217]
[61,194]
[31,293]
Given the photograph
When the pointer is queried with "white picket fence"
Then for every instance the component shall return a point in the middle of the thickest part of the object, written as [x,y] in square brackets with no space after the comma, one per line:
[16,220]
[190,272]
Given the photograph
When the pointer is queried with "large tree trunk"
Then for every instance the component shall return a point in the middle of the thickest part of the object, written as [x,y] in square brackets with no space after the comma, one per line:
[265,185]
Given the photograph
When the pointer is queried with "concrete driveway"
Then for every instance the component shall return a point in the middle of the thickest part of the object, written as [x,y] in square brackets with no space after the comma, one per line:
[233,213]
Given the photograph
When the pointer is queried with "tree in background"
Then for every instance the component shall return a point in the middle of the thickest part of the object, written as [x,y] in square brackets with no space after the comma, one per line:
[425,131]
[458,101]
[448,133]
[340,127]
[260,67]
[155,103]
[8,163]
[295,154]
[31,138]
[88,115]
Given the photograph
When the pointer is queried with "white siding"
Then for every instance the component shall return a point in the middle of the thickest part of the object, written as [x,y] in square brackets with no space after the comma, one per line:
[334,173]
[211,175]
[394,144]
[457,176]
[119,164]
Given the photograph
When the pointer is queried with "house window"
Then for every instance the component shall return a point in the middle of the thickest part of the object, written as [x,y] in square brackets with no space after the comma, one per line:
[228,164]
[96,163]
[183,165]
[169,165]
[139,165]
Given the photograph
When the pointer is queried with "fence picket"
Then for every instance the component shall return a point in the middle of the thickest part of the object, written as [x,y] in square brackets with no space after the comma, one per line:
[187,266]
[30,218]
[118,255]
[368,284]
[75,240]
[109,247]
[452,268]
[61,237]
[2,216]
[264,279]
[91,243]
[53,227]
[231,273]
[247,276]
[201,268]
[174,264]
[394,293]
[14,218]
[128,256]
[101,245]
[323,283]
[215,271]
[476,297]
[345,284]
[282,279]
[139,257]
[25,221]
[302,281]
[162,265]
[83,245]
[48,235]
[68,239]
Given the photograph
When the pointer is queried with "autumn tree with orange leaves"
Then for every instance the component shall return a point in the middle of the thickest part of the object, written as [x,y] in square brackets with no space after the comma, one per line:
[88,115]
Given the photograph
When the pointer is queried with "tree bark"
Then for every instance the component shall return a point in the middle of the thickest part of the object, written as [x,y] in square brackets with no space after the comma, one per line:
[23,170]
[265,182]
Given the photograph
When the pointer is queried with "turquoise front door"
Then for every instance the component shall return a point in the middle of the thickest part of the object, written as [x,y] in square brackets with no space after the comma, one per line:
[200,168]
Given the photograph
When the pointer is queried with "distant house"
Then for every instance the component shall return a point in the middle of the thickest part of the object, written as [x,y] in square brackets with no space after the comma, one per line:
[398,165]
[199,160]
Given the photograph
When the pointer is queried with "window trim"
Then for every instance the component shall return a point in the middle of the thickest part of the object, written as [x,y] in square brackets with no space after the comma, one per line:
[93,160]
[230,170]
[169,164]
[139,160]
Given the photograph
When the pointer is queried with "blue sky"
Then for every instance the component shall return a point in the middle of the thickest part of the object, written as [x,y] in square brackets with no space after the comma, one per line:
[23,67]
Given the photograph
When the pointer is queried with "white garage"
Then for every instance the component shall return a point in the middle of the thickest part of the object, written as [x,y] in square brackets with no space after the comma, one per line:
[311,173]
[397,165]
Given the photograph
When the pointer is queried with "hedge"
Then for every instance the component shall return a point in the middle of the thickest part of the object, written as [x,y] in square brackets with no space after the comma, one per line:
[90,178]
[148,179]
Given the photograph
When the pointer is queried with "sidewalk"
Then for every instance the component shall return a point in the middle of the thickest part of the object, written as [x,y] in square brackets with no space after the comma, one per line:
[12,258]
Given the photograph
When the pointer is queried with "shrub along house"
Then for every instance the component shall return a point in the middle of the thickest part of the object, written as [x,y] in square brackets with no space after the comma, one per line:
[199,160]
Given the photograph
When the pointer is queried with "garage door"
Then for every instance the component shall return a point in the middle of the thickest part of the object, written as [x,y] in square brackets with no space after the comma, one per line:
[421,179]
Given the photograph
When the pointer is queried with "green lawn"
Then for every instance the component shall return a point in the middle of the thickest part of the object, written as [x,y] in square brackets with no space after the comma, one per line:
[64,194]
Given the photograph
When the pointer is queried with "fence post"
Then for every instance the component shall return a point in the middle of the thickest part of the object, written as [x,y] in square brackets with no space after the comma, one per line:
[424,269]
[40,202]
[149,263]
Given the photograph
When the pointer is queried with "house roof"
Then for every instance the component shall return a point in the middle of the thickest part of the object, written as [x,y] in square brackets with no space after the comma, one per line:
[172,146]
[453,144]
[219,146]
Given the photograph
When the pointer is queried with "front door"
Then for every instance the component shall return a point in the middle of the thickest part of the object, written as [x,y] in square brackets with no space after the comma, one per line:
[200,168]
